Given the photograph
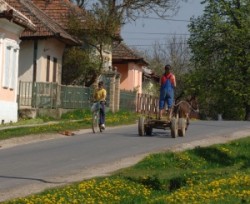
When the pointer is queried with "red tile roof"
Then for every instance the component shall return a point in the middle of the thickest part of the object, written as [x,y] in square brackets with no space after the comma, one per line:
[60,10]
[121,53]
[45,26]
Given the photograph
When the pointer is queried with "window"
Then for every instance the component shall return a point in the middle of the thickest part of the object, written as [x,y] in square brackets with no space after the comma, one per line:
[10,63]
[48,68]
[6,69]
[13,69]
[54,69]
[35,60]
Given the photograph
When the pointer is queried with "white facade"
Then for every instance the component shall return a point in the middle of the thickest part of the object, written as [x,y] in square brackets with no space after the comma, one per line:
[48,57]
[9,55]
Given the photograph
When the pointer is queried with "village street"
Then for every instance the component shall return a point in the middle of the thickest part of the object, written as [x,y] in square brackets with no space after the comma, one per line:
[59,160]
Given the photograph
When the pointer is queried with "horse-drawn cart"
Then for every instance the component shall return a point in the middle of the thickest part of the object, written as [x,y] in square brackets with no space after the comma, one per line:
[177,122]
[177,126]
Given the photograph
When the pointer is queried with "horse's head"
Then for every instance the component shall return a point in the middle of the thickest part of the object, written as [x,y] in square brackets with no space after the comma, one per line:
[192,100]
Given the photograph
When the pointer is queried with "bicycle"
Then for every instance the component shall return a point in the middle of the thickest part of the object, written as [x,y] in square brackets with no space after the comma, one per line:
[96,117]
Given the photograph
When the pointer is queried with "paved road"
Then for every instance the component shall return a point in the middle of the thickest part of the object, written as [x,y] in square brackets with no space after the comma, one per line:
[32,167]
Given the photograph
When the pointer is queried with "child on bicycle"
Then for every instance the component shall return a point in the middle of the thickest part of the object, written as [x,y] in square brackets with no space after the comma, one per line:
[100,96]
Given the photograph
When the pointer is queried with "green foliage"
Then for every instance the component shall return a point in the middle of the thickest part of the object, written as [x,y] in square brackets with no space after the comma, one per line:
[219,43]
[76,114]
[150,87]
[174,52]
[152,182]
[79,66]
[99,30]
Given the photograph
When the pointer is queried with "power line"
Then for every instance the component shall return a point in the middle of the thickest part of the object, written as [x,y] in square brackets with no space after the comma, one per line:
[150,39]
[156,33]
[166,19]
[164,44]
[147,39]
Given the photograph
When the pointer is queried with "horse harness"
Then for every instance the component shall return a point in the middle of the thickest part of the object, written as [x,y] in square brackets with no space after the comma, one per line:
[192,108]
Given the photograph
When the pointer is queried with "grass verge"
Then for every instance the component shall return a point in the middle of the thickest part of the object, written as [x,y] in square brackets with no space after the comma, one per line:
[215,174]
[78,119]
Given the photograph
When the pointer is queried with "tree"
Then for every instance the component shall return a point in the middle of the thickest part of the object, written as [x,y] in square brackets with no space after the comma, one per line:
[132,9]
[97,35]
[80,66]
[104,18]
[175,52]
[219,42]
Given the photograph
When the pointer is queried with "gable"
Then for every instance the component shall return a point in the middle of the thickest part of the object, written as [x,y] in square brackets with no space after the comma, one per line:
[45,26]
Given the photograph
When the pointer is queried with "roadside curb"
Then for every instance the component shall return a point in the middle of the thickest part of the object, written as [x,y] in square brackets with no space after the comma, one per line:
[28,139]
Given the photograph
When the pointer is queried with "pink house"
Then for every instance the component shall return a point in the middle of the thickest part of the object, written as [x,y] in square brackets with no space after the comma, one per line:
[130,66]
[12,24]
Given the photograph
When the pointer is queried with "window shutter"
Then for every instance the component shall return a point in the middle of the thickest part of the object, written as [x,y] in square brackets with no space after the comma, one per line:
[7,64]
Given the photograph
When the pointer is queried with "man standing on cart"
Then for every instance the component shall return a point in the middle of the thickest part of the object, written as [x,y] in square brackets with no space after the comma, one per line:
[168,84]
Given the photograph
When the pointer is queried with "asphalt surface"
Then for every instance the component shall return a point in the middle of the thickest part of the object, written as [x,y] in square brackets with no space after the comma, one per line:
[32,164]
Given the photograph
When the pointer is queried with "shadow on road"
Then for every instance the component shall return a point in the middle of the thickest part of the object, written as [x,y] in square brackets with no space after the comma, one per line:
[34,179]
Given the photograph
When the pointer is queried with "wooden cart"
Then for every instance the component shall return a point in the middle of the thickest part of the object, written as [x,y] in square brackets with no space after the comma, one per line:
[177,126]
[148,107]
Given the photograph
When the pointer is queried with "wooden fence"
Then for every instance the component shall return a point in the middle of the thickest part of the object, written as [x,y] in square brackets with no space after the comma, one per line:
[147,104]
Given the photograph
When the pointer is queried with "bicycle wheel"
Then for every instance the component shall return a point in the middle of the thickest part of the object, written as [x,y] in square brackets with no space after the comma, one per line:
[95,122]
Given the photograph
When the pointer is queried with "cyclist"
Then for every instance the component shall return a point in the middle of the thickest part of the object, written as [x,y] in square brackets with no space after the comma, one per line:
[100,96]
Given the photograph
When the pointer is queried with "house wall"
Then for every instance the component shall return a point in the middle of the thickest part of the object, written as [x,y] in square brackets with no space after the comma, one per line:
[48,58]
[26,60]
[9,54]
[131,76]
[135,72]
[107,58]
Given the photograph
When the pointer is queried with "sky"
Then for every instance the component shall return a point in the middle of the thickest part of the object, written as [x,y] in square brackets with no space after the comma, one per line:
[145,32]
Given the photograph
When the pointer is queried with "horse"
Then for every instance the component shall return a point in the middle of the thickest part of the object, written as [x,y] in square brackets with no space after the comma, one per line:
[183,108]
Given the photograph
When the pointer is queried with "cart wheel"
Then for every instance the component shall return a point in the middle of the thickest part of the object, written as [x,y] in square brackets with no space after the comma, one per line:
[174,127]
[148,130]
[182,127]
[141,128]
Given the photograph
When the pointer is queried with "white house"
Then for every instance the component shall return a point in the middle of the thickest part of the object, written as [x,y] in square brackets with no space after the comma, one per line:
[41,51]
[12,24]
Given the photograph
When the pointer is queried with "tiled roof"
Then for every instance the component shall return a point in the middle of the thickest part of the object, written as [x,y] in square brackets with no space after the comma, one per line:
[60,10]
[150,74]
[122,53]
[8,12]
[45,26]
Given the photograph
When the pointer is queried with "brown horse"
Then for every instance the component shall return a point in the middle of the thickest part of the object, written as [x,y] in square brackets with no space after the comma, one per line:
[183,108]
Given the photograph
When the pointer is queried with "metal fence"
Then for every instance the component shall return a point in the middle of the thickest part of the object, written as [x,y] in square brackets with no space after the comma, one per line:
[128,100]
[52,95]
[75,97]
